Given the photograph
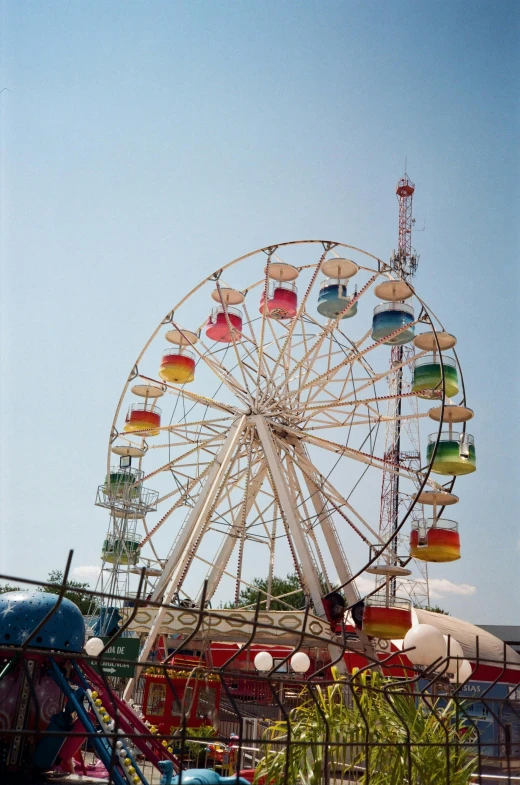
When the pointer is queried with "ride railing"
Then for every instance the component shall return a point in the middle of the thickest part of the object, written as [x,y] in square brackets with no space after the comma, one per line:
[295,722]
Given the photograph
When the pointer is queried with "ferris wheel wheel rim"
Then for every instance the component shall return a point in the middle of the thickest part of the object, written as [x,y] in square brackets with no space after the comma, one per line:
[383,270]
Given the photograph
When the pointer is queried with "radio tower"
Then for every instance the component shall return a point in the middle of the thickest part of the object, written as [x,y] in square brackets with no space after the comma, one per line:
[402,445]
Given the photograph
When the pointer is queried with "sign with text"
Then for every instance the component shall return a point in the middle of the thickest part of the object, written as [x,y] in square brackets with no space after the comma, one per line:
[122,649]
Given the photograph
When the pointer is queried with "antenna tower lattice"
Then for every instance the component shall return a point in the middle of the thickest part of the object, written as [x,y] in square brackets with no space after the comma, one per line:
[402,444]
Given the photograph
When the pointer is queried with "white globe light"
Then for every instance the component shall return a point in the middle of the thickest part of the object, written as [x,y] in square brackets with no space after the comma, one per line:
[455,654]
[429,645]
[464,673]
[94,646]
[300,662]
[263,661]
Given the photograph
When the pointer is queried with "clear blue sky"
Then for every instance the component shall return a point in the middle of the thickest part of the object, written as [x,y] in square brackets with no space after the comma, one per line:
[146,143]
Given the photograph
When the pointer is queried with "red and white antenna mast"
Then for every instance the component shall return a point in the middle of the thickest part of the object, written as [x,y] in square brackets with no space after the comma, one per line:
[405,260]
[402,445]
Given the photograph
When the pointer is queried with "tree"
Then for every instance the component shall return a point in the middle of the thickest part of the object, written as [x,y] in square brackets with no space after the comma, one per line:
[289,585]
[435,609]
[374,725]
[7,587]
[85,602]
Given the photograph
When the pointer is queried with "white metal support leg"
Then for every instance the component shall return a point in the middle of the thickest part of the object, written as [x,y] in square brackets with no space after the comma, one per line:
[287,506]
[193,528]
[340,563]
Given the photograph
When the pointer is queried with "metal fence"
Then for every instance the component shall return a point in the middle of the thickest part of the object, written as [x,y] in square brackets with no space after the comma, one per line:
[384,723]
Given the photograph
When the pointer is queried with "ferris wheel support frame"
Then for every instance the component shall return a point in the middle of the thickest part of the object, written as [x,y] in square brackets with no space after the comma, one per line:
[191,531]
[224,554]
[196,520]
[329,532]
[287,506]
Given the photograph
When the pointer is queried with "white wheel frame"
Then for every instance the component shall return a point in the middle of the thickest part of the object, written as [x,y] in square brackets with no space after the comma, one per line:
[244,461]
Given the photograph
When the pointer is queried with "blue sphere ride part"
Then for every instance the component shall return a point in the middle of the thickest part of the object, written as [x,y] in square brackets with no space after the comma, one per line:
[22,611]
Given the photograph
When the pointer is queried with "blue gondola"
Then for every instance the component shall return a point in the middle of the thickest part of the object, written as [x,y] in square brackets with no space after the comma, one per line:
[333,299]
[389,317]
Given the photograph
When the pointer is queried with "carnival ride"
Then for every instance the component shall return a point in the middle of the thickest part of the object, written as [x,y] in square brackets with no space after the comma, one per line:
[49,690]
[268,448]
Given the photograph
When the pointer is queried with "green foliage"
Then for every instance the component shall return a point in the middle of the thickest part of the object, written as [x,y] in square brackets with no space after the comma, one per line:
[198,751]
[6,587]
[85,602]
[290,585]
[435,609]
[378,726]
[280,586]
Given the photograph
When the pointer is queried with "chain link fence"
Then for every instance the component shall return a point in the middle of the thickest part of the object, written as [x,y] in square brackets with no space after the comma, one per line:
[193,719]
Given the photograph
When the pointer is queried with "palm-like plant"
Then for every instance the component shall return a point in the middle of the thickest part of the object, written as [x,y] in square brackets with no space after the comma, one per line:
[377,726]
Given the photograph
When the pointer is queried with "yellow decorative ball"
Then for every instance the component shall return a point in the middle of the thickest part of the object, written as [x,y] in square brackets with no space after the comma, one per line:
[131,770]
[170,749]
[127,762]
[95,694]
[164,743]
[102,710]
[153,729]
[136,780]
[106,719]
[97,702]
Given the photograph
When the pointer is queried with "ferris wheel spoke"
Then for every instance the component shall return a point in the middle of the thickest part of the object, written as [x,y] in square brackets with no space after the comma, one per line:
[337,500]
[333,323]
[261,342]
[350,420]
[286,368]
[181,459]
[192,438]
[324,378]
[339,403]
[195,426]
[285,500]
[187,495]
[194,397]
[223,374]
[327,331]
[388,372]
[147,538]
[299,313]
[270,382]
[358,455]
[236,341]
[323,350]
[320,382]
[321,510]
[237,530]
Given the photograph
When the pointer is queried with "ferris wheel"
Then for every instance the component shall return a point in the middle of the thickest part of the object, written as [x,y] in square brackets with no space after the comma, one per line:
[257,410]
